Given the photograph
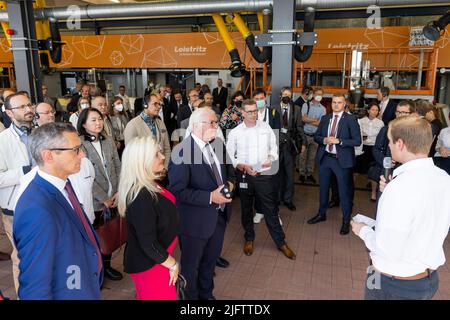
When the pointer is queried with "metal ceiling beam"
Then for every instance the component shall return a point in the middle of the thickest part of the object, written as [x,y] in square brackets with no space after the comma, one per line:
[206,20]
[189,8]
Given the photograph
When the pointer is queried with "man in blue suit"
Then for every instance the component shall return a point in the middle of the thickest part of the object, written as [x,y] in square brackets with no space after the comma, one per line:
[197,173]
[57,246]
[337,135]
[387,106]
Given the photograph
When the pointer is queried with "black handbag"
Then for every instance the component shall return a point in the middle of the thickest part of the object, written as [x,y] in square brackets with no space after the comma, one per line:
[180,285]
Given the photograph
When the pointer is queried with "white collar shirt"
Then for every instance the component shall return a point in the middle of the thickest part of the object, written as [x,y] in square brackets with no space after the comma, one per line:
[330,125]
[56,182]
[370,128]
[207,150]
[252,145]
[413,220]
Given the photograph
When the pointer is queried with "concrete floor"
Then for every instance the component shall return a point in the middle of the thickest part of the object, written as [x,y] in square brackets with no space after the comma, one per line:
[328,265]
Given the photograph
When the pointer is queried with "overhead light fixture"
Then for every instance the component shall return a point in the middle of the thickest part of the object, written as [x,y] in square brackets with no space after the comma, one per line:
[433,30]
[115,1]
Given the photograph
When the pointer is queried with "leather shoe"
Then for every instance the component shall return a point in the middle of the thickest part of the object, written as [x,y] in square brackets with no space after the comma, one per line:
[112,274]
[290,206]
[4,256]
[345,229]
[248,248]
[333,204]
[317,219]
[222,263]
[287,252]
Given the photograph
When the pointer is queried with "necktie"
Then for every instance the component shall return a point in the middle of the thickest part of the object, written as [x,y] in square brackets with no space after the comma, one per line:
[213,165]
[333,132]
[285,118]
[83,219]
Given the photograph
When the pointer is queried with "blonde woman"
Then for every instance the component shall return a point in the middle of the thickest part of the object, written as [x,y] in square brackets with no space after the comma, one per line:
[152,221]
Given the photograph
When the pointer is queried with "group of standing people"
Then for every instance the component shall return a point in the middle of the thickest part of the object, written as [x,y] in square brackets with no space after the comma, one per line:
[60,180]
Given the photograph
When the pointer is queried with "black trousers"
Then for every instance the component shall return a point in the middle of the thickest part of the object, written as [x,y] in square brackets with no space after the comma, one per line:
[286,174]
[262,190]
[198,260]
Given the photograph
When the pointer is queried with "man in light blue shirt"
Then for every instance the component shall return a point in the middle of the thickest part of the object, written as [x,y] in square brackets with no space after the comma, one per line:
[311,114]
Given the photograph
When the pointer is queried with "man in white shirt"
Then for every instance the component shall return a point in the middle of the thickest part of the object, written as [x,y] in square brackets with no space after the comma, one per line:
[413,218]
[252,148]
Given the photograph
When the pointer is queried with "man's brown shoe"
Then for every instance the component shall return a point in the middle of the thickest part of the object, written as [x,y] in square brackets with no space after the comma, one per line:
[248,248]
[287,252]
[4,256]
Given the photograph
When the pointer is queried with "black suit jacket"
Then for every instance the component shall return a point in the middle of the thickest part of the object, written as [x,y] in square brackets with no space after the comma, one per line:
[192,181]
[220,99]
[184,112]
[152,225]
[389,112]
[169,115]
[300,101]
[295,126]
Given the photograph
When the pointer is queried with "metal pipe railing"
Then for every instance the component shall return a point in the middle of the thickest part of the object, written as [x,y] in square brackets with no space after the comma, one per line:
[163,9]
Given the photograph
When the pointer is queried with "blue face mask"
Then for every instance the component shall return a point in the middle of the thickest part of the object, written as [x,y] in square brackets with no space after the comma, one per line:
[260,104]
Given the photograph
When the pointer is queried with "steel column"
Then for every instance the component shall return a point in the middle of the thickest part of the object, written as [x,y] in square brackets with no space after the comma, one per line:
[283,54]
[25,48]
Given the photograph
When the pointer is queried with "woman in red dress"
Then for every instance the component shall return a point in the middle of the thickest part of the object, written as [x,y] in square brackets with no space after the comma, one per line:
[152,221]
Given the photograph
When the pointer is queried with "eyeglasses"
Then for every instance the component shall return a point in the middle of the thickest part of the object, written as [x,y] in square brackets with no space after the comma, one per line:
[22,107]
[251,111]
[75,149]
[402,113]
[211,123]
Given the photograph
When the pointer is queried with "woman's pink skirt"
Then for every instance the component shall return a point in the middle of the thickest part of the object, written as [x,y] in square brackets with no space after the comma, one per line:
[153,284]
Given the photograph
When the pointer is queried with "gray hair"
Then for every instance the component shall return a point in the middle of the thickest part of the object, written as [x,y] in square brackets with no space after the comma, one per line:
[198,116]
[48,136]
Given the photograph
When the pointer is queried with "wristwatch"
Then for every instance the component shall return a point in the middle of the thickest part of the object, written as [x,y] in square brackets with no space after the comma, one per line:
[340,142]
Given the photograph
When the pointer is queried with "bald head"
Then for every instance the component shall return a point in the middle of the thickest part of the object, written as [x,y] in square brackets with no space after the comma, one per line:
[44,113]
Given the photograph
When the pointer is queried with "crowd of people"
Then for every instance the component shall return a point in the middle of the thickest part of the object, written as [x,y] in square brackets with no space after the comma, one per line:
[170,166]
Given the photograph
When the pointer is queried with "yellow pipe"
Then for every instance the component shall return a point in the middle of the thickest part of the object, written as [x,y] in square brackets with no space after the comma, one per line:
[242,27]
[220,24]
[42,26]
[5,25]
[261,22]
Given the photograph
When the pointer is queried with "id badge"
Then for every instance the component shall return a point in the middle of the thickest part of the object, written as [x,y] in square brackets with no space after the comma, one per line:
[243,185]
[284,130]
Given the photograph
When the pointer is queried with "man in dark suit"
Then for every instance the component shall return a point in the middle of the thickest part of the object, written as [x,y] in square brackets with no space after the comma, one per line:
[59,252]
[197,174]
[167,111]
[305,97]
[337,135]
[387,106]
[73,104]
[185,111]
[220,95]
[292,142]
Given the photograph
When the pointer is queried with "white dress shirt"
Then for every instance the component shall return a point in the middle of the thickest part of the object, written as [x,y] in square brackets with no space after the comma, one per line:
[81,182]
[443,141]
[413,220]
[330,125]
[383,106]
[252,145]
[202,145]
[370,128]
[263,116]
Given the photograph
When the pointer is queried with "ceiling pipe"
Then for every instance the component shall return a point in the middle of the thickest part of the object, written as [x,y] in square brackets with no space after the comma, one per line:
[206,7]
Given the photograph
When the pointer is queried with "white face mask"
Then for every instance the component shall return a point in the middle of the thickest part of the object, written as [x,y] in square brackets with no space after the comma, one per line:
[318,98]
[118,107]
[84,106]
[310,97]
